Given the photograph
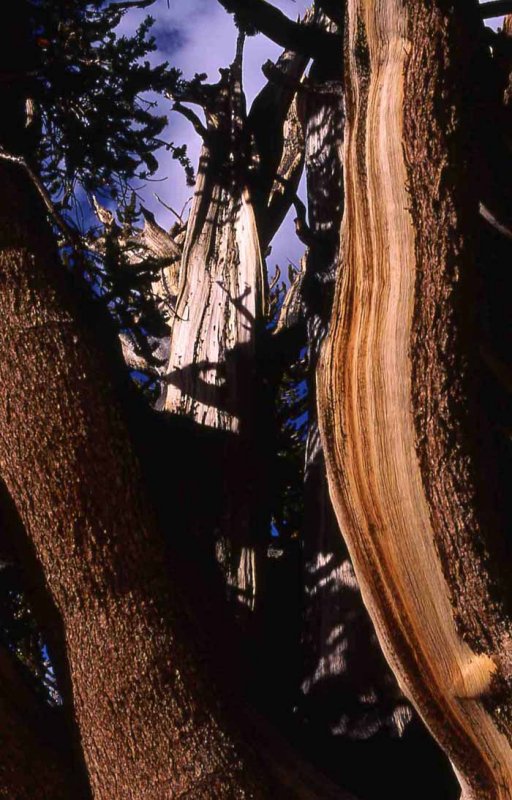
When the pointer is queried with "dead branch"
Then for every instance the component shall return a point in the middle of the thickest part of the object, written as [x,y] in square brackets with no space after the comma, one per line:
[282,30]
[497,8]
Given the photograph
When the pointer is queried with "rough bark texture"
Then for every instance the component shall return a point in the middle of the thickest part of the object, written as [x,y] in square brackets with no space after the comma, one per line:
[397,405]
[151,724]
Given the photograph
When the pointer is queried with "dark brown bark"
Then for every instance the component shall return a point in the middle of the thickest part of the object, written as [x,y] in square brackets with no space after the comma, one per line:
[150,723]
[148,729]
[399,388]
[29,582]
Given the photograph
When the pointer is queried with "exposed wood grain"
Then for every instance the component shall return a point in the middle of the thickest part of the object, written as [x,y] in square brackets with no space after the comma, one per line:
[396,524]
[348,689]
[220,300]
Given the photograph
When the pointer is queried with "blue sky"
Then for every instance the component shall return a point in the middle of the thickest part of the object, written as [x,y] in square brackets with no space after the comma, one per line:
[199,36]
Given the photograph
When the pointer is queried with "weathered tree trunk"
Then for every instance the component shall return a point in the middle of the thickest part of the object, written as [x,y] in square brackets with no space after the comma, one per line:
[212,376]
[348,689]
[351,702]
[148,729]
[398,386]
[211,372]
[151,725]
[220,301]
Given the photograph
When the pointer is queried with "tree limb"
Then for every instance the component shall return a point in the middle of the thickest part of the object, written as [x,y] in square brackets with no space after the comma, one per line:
[192,118]
[71,236]
[292,35]
[333,9]
[132,4]
[497,8]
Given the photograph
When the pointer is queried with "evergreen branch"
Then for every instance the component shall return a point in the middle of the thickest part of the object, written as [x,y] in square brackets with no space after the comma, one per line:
[71,236]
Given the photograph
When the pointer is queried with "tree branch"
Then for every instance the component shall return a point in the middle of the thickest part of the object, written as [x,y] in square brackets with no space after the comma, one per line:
[192,118]
[497,8]
[333,9]
[132,4]
[70,235]
[310,41]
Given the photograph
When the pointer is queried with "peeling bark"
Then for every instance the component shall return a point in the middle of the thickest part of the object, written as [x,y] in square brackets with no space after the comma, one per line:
[398,388]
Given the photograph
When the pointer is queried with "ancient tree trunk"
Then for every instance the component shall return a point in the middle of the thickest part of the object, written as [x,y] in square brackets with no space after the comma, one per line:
[398,386]
[348,690]
[220,300]
[212,375]
[211,372]
[350,699]
[149,726]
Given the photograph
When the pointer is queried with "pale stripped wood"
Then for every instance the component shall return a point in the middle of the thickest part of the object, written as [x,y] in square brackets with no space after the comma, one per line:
[219,305]
[367,419]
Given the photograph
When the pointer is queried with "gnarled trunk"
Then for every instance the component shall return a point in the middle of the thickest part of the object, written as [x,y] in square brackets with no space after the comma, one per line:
[214,375]
[351,701]
[147,726]
[347,688]
[399,379]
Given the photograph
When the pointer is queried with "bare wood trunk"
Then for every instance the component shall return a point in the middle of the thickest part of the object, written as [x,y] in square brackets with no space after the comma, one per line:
[213,375]
[350,699]
[396,400]
[347,689]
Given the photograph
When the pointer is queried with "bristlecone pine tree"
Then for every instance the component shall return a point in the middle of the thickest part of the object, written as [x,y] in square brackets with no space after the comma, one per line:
[159,392]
